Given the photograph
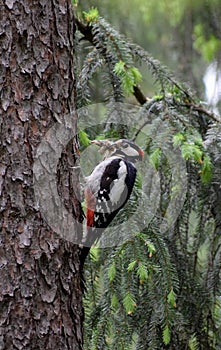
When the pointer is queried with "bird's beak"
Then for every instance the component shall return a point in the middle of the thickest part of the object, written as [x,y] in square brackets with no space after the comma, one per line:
[105,145]
[96,142]
[101,143]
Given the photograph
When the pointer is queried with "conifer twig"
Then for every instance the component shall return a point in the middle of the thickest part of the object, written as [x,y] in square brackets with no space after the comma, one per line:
[86,30]
[201,109]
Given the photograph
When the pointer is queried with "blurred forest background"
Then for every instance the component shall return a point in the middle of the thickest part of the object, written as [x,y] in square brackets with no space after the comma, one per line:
[183,35]
[161,289]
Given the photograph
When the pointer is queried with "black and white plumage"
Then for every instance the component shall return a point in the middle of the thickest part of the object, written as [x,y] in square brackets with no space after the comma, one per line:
[109,186]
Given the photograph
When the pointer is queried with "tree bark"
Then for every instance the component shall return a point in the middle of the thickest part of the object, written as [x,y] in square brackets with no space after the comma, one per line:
[40,284]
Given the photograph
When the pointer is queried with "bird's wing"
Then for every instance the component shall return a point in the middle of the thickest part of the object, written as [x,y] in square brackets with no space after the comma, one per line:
[108,189]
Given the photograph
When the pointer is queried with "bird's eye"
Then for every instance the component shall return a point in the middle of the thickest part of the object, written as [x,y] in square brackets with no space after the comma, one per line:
[125,145]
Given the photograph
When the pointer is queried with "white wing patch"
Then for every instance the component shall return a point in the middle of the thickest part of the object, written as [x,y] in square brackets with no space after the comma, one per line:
[119,184]
[93,180]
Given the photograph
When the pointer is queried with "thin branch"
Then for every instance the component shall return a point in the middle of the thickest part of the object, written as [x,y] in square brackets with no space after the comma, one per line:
[86,30]
[139,130]
[201,109]
[157,67]
[141,98]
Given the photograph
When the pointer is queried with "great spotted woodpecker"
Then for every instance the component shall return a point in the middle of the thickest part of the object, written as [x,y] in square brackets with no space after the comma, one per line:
[109,186]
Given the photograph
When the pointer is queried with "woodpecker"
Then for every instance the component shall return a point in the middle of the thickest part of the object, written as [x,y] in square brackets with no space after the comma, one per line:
[109,186]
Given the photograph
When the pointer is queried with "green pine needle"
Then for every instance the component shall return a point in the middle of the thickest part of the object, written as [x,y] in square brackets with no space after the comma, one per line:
[166,335]
[92,15]
[155,158]
[112,272]
[129,303]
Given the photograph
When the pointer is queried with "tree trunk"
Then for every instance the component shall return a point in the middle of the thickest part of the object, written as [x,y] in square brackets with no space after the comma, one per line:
[40,285]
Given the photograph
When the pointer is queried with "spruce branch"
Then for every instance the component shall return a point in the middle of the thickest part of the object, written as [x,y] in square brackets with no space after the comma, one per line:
[186,261]
[201,109]
[141,98]
[156,67]
[86,30]
[88,35]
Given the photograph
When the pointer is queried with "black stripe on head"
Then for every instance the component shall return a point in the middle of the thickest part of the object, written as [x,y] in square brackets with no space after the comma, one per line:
[127,150]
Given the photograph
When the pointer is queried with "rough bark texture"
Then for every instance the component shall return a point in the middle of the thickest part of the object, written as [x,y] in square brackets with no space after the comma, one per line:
[40,292]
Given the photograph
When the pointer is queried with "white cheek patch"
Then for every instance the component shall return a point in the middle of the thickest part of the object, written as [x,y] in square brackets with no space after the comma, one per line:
[130,152]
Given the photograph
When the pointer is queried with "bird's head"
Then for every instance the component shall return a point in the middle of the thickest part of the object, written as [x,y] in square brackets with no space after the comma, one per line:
[121,148]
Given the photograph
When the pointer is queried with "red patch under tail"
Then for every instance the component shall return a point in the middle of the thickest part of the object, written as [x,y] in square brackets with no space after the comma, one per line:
[91,203]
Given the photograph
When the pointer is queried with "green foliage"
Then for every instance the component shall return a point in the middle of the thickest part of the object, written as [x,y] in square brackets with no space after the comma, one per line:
[114,302]
[129,303]
[166,335]
[142,272]
[117,57]
[131,265]
[130,76]
[206,169]
[208,47]
[155,158]
[193,343]
[112,272]
[217,313]
[161,288]
[171,298]
[192,149]
[178,139]
[91,16]
[83,138]
[173,39]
